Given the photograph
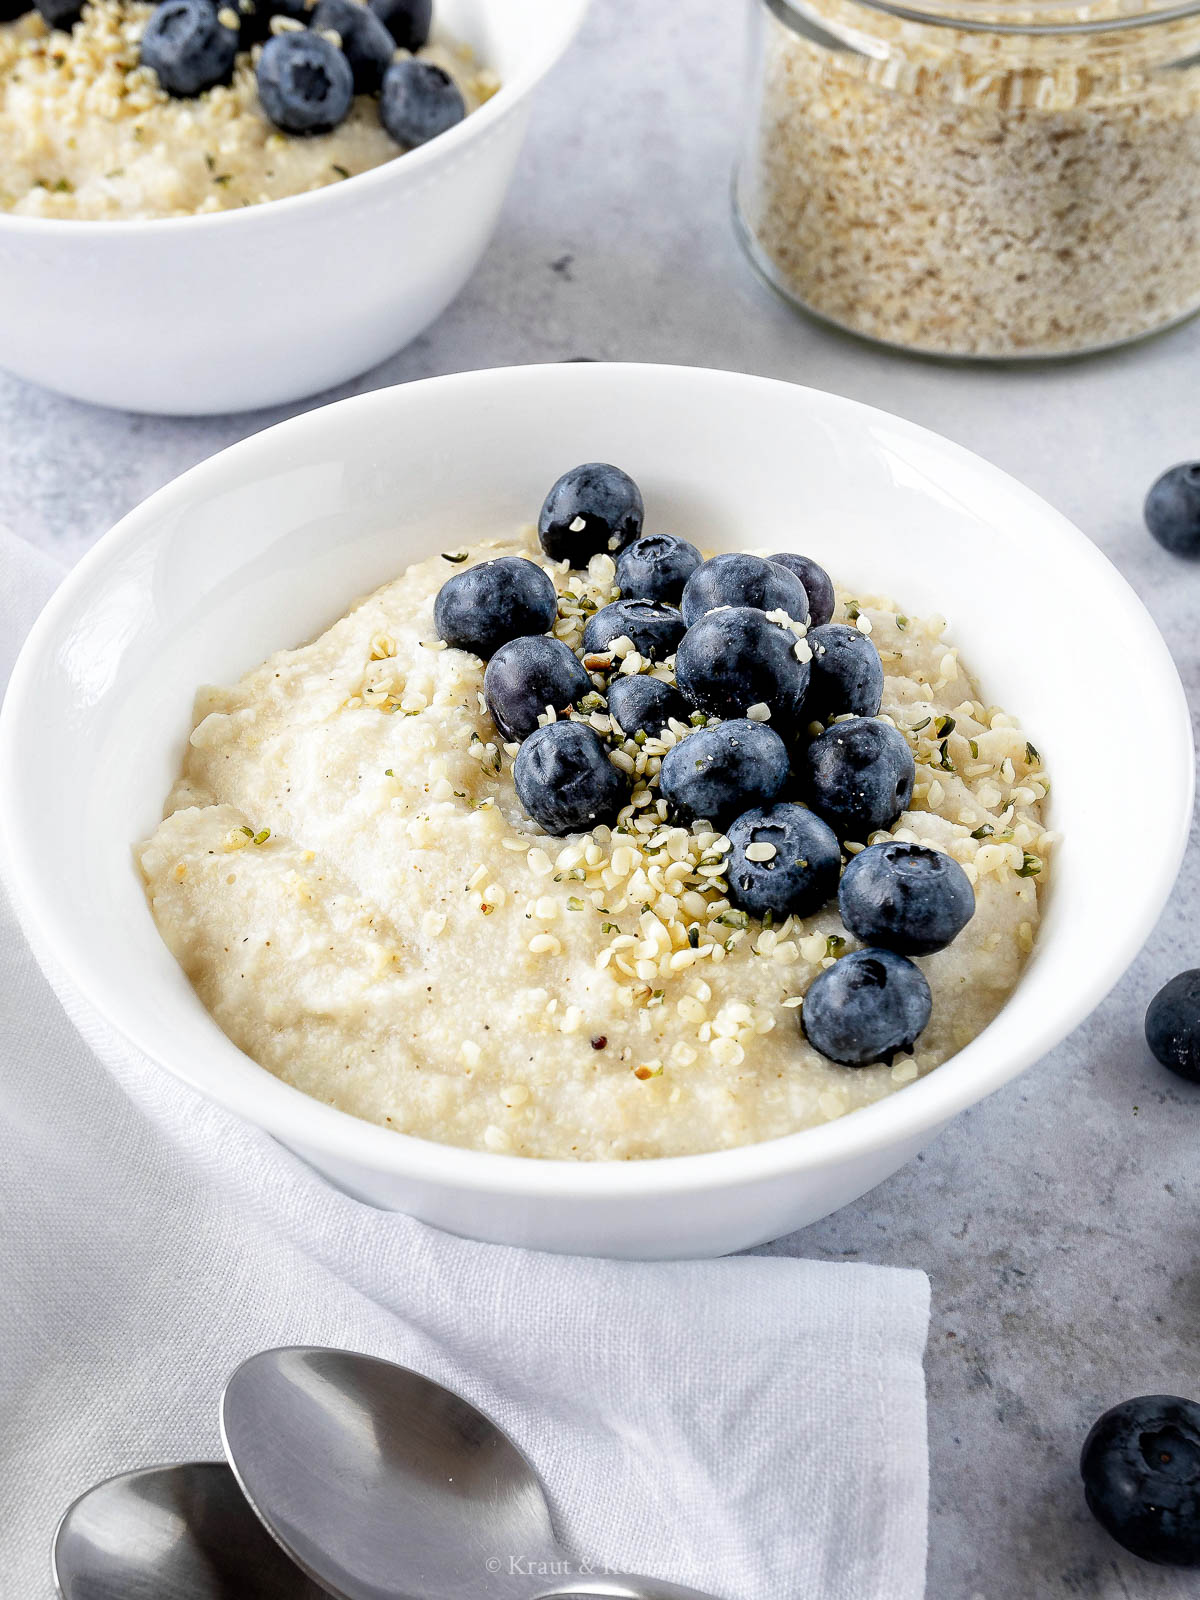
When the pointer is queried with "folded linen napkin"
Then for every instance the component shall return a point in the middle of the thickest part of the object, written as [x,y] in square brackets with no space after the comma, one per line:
[752,1426]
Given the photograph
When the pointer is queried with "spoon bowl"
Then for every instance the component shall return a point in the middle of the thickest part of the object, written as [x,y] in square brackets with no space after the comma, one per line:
[172,1533]
[383,1485]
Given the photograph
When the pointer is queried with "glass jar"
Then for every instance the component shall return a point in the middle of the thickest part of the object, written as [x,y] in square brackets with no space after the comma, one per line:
[975,180]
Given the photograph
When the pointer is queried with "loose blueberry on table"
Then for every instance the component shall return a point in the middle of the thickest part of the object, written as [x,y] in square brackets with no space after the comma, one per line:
[1172,509]
[1173,1025]
[732,665]
[1140,1467]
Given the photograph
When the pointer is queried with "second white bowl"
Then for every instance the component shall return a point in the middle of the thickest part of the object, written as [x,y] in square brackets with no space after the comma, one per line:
[240,309]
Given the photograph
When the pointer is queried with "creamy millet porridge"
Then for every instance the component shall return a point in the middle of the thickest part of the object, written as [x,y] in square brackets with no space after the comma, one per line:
[349,881]
[87,133]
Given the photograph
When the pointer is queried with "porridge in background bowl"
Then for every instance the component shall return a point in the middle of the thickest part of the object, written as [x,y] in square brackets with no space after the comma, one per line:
[87,132]
[349,873]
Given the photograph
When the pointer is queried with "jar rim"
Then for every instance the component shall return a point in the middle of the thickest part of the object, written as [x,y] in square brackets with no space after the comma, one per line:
[1048,18]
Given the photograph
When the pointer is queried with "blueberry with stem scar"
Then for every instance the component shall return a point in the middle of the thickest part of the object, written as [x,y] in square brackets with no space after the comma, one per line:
[188,47]
[656,568]
[304,83]
[872,1005]
[419,101]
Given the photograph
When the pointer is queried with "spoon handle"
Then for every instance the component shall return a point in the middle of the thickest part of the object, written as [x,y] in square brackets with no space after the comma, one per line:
[623,1587]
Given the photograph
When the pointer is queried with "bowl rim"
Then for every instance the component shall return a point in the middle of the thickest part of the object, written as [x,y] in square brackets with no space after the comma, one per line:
[409,165]
[910,1115]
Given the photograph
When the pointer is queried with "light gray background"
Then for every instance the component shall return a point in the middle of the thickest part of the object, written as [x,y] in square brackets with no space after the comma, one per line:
[1058,1220]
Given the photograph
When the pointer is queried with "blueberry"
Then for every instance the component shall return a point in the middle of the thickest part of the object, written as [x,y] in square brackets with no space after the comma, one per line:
[869,1006]
[566,781]
[1173,1025]
[905,897]
[734,659]
[604,502]
[801,875]
[406,20]
[654,630]
[304,83]
[419,101]
[366,43]
[527,675]
[818,585]
[1172,509]
[859,776]
[187,48]
[656,568]
[720,771]
[735,579]
[486,606]
[641,704]
[1140,1466]
[847,674]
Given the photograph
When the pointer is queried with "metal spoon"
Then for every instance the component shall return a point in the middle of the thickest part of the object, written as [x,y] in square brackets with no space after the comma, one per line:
[382,1485]
[172,1533]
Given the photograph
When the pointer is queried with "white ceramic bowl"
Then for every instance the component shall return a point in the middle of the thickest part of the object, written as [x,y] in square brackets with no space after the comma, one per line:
[248,308]
[268,542]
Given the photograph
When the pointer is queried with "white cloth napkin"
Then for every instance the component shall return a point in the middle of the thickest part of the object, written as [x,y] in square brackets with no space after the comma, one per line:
[752,1426]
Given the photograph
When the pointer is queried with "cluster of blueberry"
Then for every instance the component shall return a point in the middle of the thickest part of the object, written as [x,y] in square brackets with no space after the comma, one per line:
[310,71]
[750,642]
